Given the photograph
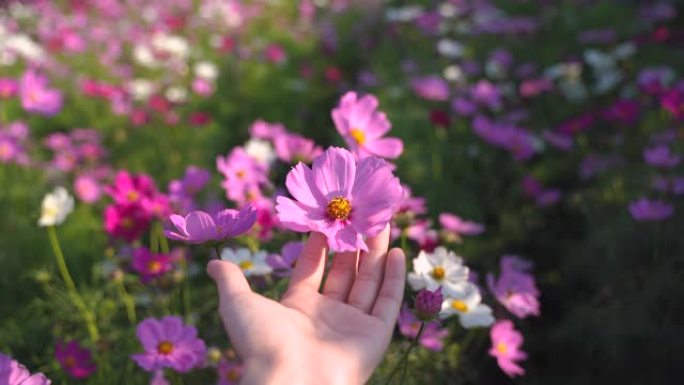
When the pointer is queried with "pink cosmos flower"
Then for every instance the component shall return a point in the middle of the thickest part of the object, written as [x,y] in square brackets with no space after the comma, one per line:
[340,198]
[200,227]
[14,373]
[454,226]
[432,336]
[75,360]
[125,221]
[293,148]
[169,343]
[284,262]
[646,209]
[264,130]
[431,88]
[8,88]
[505,348]
[131,189]
[36,96]
[159,379]
[87,188]
[229,372]
[362,127]
[515,289]
[243,174]
[673,102]
[149,265]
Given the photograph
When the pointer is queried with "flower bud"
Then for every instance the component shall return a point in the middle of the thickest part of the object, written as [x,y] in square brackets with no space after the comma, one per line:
[428,304]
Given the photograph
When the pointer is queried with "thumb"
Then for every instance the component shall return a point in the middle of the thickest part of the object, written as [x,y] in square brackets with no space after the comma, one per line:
[230,281]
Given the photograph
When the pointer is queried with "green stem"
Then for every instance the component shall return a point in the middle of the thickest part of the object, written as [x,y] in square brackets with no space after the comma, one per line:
[129,304]
[71,287]
[404,357]
[185,288]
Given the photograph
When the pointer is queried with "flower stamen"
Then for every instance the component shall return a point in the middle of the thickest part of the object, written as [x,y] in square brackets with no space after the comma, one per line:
[339,208]
[358,136]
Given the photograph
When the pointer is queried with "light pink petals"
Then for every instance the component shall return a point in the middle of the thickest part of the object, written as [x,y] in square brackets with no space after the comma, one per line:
[299,183]
[390,148]
[334,172]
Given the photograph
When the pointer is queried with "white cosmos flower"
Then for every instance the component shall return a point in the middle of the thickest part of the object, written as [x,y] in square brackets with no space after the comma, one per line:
[441,268]
[260,150]
[206,70]
[55,208]
[251,264]
[467,304]
[176,94]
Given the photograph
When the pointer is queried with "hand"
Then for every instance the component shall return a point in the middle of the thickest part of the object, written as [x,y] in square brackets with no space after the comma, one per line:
[336,336]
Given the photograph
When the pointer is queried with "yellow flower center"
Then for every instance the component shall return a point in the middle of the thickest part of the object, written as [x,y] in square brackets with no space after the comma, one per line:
[219,229]
[459,306]
[233,375]
[339,208]
[241,174]
[245,265]
[165,347]
[132,196]
[127,223]
[501,348]
[70,362]
[154,266]
[438,273]
[358,136]
[49,212]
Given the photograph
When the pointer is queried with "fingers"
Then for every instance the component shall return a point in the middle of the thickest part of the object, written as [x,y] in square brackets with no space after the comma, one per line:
[308,271]
[341,275]
[392,291]
[230,281]
[371,268]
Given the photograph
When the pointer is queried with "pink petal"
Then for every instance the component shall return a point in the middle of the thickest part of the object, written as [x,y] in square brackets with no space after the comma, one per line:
[199,225]
[292,215]
[300,184]
[389,148]
[334,172]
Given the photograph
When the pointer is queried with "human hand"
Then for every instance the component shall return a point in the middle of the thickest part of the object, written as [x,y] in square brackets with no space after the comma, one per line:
[336,336]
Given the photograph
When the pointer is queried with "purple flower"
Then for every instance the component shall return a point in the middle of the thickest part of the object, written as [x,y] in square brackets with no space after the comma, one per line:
[454,226]
[646,209]
[623,111]
[661,156]
[200,227]
[517,141]
[8,88]
[36,96]
[150,265]
[229,372]
[428,304]
[560,141]
[486,94]
[515,289]
[674,185]
[506,342]
[431,87]
[432,333]
[362,126]
[75,360]
[463,106]
[14,373]
[283,263]
[168,343]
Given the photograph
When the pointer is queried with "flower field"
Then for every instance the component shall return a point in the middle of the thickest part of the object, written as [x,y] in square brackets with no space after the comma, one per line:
[525,155]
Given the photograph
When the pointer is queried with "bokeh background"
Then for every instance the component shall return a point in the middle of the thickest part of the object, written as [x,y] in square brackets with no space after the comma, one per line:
[533,118]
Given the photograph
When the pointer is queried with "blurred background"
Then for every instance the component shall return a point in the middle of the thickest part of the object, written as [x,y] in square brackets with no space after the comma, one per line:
[558,125]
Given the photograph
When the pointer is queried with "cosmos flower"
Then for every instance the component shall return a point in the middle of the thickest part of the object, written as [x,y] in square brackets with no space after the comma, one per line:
[432,333]
[229,372]
[661,156]
[150,265]
[14,373]
[283,263]
[515,288]
[440,268]
[252,264]
[646,209]
[36,96]
[56,206]
[362,127]
[128,222]
[467,304]
[169,343]
[431,87]
[200,227]
[428,303]
[242,173]
[75,360]
[454,226]
[506,342]
[293,148]
[340,198]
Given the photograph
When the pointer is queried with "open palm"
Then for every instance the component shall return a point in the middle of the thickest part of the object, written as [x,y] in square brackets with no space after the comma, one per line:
[336,335]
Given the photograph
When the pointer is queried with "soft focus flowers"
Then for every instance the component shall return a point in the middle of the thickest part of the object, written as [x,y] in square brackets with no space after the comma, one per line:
[283,263]
[56,206]
[36,96]
[467,304]
[454,226]
[344,200]
[150,265]
[200,227]
[431,88]
[169,343]
[428,303]
[229,372]
[515,288]
[362,127]
[440,268]
[432,333]
[74,359]
[646,209]
[661,156]
[293,148]
[506,342]
[14,373]
[252,264]
[243,175]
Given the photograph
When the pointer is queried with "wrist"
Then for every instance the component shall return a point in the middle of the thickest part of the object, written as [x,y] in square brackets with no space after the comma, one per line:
[286,371]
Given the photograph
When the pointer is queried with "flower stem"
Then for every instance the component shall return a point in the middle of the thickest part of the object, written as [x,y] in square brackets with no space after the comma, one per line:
[128,302]
[71,287]
[404,357]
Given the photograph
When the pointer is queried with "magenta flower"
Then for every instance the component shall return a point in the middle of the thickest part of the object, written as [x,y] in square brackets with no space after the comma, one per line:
[623,111]
[673,102]
[432,333]
[283,263]
[487,94]
[14,373]
[200,227]
[431,88]
[362,127]
[344,200]
[243,174]
[455,226]
[128,222]
[8,88]
[428,303]
[515,289]
[661,156]
[577,124]
[293,148]
[149,265]
[131,189]
[168,343]
[75,360]
[229,372]
[36,96]
[506,342]
[646,209]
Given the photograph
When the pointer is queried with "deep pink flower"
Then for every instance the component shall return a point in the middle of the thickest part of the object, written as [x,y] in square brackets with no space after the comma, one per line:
[431,87]
[455,226]
[169,343]
[275,53]
[229,372]
[673,102]
[14,373]
[243,175]
[646,209]
[125,221]
[428,303]
[515,288]
[76,360]
[432,333]
[623,111]
[200,227]
[577,124]
[362,127]
[149,265]
[131,189]
[294,148]
[8,88]
[344,200]
[661,156]
[284,262]
[36,96]
[506,342]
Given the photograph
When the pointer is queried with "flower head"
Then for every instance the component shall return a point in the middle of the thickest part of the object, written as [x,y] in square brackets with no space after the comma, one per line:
[293,148]
[150,265]
[229,372]
[515,288]
[362,127]
[168,343]
[646,209]
[55,207]
[428,303]
[283,263]
[431,88]
[432,333]
[36,96]
[467,304]
[661,156]
[340,198]
[128,222]
[441,268]
[75,360]
[250,263]
[505,348]
[200,227]
[14,373]
[455,227]
[243,175]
